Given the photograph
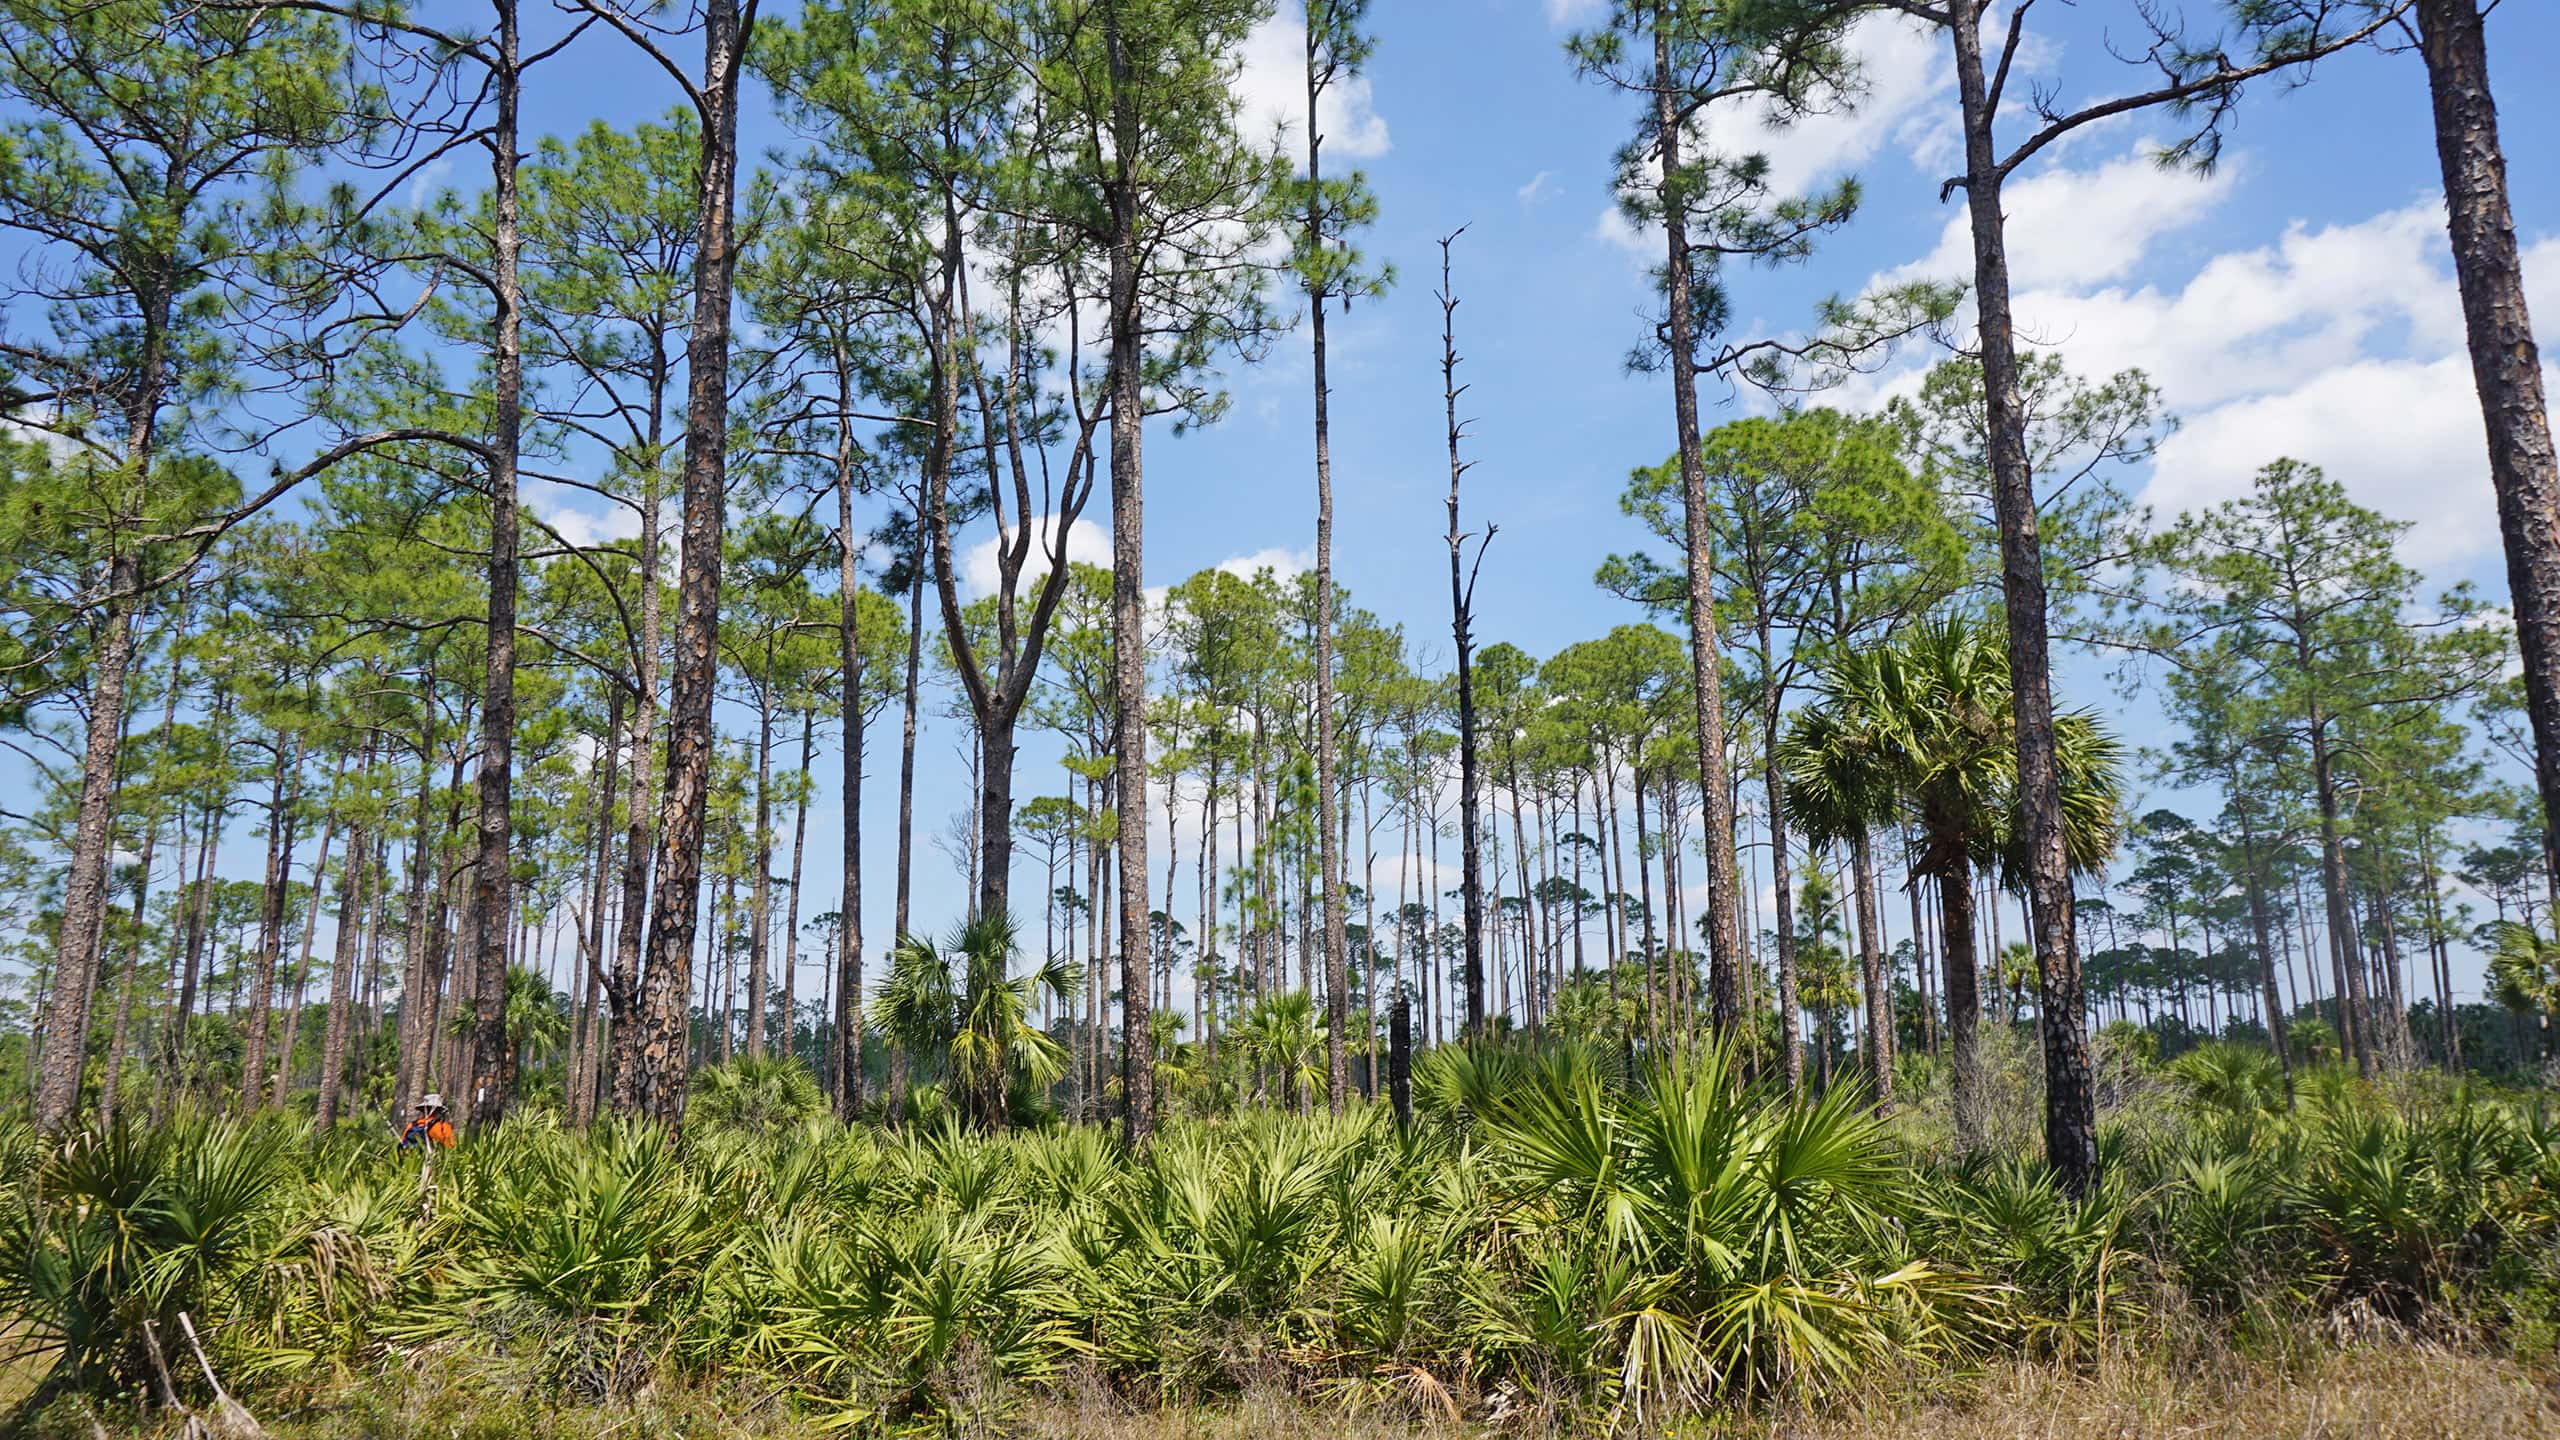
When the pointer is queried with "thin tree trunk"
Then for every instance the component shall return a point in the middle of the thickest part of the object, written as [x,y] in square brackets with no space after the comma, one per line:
[1879,1046]
[1964,999]
[284,799]
[1462,630]
[302,967]
[760,939]
[848,1000]
[623,998]
[791,907]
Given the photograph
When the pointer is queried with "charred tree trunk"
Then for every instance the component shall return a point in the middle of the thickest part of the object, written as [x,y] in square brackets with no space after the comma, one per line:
[1462,631]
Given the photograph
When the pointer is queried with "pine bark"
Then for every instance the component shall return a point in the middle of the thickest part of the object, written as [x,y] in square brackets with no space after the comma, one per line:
[1724,888]
[493,876]
[2070,1128]
[848,959]
[1128,596]
[2505,365]
[673,922]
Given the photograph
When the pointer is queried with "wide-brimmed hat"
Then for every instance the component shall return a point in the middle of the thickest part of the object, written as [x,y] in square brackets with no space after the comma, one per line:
[433,1101]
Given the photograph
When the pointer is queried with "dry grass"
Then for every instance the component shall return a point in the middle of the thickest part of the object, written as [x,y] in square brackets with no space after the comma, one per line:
[2383,1390]
[2391,1390]
[2388,1388]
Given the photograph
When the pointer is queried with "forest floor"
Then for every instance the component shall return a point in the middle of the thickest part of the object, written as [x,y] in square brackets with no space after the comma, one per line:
[2375,1389]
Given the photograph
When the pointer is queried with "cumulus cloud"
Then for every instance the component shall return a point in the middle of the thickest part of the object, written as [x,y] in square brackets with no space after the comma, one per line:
[2083,227]
[1273,87]
[1903,80]
[2340,345]
[1087,544]
[1906,72]
[1284,563]
[603,525]
[2403,437]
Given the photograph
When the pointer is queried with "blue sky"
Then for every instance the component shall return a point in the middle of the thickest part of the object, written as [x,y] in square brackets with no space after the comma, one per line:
[2297,302]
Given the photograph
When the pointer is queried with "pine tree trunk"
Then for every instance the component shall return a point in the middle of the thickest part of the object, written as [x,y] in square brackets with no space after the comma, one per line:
[2506,367]
[760,935]
[493,877]
[593,1014]
[352,880]
[791,907]
[1781,889]
[281,804]
[2071,1120]
[2261,931]
[1462,631]
[1128,597]
[1337,1000]
[75,966]
[1724,958]
[848,1006]
[622,986]
[689,734]
[302,967]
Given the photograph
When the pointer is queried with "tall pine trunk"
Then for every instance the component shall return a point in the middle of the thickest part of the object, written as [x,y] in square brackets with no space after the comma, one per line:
[673,921]
[2070,1114]
[622,983]
[2505,365]
[493,877]
[1128,597]
[848,1007]
[1724,888]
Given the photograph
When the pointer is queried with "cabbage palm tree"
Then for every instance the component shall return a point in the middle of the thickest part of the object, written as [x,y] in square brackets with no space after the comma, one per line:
[968,1004]
[1922,732]
[2524,973]
[1283,1035]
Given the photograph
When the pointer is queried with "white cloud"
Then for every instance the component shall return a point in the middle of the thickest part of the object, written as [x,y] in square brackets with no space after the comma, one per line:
[1272,85]
[1904,78]
[2402,436]
[604,525]
[429,179]
[1613,228]
[2082,227]
[1905,72]
[1087,544]
[1541,186]
[2340,345]
[1284,563]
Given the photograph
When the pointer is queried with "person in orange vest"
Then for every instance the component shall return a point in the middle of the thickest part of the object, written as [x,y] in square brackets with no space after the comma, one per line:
[429,1125]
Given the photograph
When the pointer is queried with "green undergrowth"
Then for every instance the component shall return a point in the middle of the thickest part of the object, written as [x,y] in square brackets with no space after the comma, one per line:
[1553,1248]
